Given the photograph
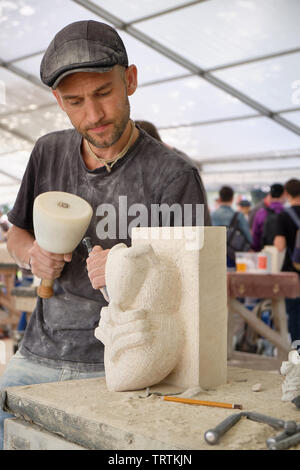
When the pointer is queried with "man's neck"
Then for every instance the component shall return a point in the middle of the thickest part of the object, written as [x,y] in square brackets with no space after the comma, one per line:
[228,204]
[107,153]
[274,199]
[295,201]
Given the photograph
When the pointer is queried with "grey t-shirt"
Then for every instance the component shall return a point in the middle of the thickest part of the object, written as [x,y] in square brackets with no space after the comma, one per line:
[60,332]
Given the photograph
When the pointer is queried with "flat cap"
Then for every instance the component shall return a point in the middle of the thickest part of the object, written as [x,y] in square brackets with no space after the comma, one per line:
[83,46]
[244,203]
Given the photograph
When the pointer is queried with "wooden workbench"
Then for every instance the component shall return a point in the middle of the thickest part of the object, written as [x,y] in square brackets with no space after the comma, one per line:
[25,298]
[8,271]
[275,287]
[84,414]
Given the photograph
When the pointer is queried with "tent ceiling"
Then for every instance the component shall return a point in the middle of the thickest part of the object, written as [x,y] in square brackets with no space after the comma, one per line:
[220,79]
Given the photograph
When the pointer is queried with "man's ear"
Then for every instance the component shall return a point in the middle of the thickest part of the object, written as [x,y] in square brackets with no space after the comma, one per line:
[58,99]
[131,79]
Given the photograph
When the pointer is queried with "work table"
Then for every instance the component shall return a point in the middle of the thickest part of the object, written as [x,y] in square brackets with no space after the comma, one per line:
[83,414]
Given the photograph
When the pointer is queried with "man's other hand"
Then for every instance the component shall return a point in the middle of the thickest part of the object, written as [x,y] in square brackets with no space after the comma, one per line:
[96,266]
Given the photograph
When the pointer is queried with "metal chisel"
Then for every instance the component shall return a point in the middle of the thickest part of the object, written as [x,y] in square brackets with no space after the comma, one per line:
[212,436]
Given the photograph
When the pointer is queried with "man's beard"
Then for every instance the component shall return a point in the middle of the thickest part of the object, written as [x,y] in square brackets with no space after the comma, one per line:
[118,129]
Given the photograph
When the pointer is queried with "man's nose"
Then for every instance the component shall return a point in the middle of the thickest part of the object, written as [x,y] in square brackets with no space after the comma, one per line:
[94,112]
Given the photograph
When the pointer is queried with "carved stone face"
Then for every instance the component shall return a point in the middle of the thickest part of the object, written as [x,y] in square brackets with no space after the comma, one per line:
[140,328]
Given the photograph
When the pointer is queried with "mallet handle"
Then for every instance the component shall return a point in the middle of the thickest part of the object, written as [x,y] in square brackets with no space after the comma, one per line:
[45,289]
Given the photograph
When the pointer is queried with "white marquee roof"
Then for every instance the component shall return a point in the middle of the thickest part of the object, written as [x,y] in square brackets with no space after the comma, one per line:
[219,78]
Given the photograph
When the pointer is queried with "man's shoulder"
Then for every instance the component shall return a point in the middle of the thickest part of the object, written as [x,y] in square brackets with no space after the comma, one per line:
[285,221]
[63,137]
[285,217]
[240,215]
[177,161]
[166,157]
[243,223]
[262,211]
[225,209]
[260,215]
[222,215]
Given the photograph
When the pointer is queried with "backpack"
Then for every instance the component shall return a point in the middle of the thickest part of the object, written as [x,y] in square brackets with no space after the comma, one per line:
[236,240]
[269,227]
[295,253]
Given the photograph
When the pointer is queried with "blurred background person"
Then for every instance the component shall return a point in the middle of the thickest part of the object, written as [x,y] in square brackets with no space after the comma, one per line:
[223,216]
[4,226]
[244,206]
[264,225]
[285,240]
[151,129]
[261,204]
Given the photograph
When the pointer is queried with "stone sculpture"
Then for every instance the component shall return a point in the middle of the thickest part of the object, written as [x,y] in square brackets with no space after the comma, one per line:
[140,328]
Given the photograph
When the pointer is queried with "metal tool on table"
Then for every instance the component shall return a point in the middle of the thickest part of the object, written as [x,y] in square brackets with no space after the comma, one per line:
[290,427]
[88,244]
[212,436]
[60,220]
[285,442]
[273,442]
[288,437]
[296,401]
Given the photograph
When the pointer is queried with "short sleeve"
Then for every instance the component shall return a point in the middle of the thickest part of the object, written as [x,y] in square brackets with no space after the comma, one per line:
[187,191]
[282,226]
[21,213]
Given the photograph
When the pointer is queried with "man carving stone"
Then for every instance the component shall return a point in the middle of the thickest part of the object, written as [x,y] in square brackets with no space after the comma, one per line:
[104,156]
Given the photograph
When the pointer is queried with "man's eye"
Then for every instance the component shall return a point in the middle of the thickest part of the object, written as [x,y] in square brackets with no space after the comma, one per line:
[74,103]
[104,93]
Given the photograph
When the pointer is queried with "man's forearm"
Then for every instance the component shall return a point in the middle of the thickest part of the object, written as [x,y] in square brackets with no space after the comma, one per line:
[280,242]
[19,242]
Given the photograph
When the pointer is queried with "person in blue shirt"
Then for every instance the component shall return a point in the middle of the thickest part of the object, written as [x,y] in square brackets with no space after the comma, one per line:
[224,214]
